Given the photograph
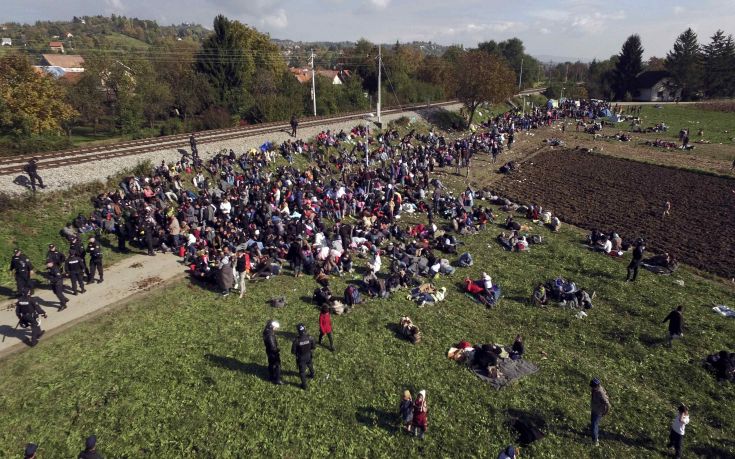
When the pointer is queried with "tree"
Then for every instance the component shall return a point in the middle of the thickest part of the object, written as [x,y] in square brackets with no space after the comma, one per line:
[629,65]
[601,80]
[32,103]
[483,78]
[719,61]
[229,59]
[685,64]
[190,91]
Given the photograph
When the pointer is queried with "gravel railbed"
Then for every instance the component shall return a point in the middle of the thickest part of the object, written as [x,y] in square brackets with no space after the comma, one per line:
[67,176]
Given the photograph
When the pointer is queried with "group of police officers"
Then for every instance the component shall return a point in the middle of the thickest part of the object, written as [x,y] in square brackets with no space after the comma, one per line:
[302,347]
[74,265]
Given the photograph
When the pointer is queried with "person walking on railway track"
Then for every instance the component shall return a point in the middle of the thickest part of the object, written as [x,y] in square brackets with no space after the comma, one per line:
[640,248]
[75,269]
[56,279]
[193,145]
[272,351]
[294,125]
[27,312]
[95,260]
[302,347]
[599,407]
[32,170]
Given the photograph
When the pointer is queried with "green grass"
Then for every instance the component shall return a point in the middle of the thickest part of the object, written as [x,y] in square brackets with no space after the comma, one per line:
[118,40]
[181,372]
[719,127]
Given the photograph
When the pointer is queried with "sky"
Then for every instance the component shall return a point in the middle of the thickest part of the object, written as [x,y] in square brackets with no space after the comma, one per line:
[583,29]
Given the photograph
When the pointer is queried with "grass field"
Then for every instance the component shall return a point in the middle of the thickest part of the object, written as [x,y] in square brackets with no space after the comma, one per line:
[719,127]
[182,373]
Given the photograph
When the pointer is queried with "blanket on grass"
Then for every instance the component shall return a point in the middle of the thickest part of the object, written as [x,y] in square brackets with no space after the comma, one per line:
[509,371]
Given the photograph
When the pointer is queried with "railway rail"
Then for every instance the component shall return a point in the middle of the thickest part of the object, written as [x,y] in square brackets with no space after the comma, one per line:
[51,160]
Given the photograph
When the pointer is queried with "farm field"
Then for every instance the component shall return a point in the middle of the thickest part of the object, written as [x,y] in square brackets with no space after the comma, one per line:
[596,192]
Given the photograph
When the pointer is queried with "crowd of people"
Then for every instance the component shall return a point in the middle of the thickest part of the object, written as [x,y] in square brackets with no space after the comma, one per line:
[242,217]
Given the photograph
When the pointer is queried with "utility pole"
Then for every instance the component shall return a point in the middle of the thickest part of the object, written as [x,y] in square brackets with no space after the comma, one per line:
[520,76]
[313,82]
[380,67]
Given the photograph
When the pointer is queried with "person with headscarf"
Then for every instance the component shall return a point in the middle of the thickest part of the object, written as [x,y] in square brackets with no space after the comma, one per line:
[599,407]
[405,410]
[420,415]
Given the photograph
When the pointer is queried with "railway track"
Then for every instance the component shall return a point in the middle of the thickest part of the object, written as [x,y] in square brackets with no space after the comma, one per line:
[51,160]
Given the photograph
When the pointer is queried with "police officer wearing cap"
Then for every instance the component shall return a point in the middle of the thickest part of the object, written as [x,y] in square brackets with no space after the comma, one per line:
[272,351]
[90,449]
[54,256]
[23,269]
[56,278]
[95,260]
[302,347]
[27,312]
[30,451]
[75,268]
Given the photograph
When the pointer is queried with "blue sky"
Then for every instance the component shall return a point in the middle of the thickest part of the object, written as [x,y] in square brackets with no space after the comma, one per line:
[574,28]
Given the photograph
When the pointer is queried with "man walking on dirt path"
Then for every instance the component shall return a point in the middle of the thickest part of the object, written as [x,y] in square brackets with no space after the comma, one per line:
[294,125]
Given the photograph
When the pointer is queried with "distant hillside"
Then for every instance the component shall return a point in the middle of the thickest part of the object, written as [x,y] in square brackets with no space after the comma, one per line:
[86,32]
[427,48]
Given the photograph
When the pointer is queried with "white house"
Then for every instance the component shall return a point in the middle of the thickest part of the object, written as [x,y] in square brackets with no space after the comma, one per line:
[655,86]
[6,42]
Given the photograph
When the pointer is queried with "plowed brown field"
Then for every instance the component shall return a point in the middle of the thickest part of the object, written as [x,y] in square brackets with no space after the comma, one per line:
[610,194]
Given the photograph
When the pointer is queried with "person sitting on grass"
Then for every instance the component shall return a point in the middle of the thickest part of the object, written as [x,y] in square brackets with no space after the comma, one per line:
[603,245]
[555,224]
[505,241]
[517,349]
[539,297]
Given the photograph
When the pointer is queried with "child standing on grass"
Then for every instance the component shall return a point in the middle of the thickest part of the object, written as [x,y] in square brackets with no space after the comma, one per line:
[420,412]
[676,434]
[405,410]
[325,326]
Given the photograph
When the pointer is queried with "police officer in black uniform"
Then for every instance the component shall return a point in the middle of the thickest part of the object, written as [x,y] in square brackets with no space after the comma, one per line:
[32,171]
[27,312]
[90,449]
[193,144]
[76,246]
[23,269]
[75,268]
[56,278]
[148,238]
[272,351]
[302,347]
[95,260]
[54,256]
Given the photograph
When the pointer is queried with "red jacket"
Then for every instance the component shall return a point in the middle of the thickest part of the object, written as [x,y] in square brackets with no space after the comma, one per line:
[325,322]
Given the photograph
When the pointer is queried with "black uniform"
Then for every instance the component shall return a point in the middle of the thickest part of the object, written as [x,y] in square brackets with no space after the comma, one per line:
[95,261]
[57,285]
[273,354]
[22,268]
[193,144]
[86,454]
[635,262]
[27,312]
[77,247]
[75,268]
[148,237]
[32,171]
[301,348]
[55,257]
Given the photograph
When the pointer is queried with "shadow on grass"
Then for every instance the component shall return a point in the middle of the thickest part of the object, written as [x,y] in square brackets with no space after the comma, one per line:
[373,417]
[231,363]
[722,451]
[644,442]
[396,329]
[528,425]
[652,341]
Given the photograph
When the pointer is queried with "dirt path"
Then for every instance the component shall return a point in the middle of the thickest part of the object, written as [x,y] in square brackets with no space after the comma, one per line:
[135,275]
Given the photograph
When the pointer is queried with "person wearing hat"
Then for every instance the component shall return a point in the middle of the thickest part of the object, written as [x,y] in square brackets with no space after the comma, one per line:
[27,312]
[30,451]
[32,171]
[75,269]
[23,269]
[272,351]
[302,347]
[600,406]
[56,278]
[90,449]
[95,260]
[420,413]
[53,255]
[508,453]
[405,410]
[635,262]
